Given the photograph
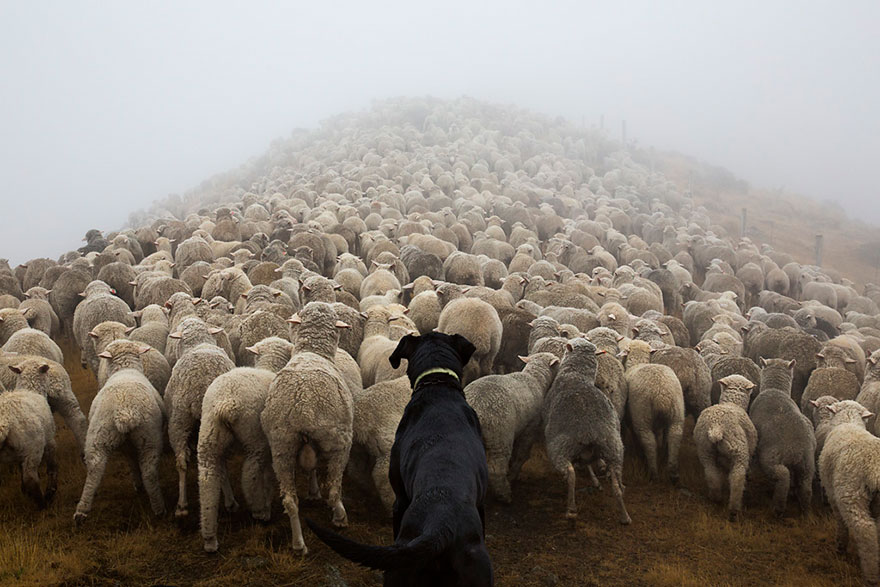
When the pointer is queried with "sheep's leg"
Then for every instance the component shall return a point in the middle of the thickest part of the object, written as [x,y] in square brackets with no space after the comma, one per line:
[69,410]
[714,476]
[336,461]
[842,530]
[284,448]
[864,532]
[497,463]
[380,480]
[522,449]
[673,443]
[805,492]
[254,487]
[782,480]
[229,503]
[314,488]
[617,490]
[131,456]
[571,482]
[30,478]
[737,480]
[50,455]
[96,462]
[649,446]
[594,481]
[149,455]
[179,427]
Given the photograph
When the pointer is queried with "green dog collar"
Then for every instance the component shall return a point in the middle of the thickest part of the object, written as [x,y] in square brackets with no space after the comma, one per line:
[433,371]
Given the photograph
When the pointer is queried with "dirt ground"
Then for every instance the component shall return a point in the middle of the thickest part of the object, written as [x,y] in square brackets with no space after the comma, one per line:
[677,537]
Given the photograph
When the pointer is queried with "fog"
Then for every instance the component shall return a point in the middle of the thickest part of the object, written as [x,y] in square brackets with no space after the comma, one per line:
[105,108]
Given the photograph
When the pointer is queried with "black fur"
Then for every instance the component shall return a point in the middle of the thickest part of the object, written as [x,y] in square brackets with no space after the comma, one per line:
[439,476]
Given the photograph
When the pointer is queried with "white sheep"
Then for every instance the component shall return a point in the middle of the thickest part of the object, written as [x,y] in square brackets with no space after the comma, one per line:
[231,412]
[27,435]
[849,468]
[309,412]
[200,362]
[126,409]
[656,403]
[726,439]
[509,408]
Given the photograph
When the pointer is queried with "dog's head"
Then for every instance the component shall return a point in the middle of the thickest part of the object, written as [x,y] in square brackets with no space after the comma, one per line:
[430,351]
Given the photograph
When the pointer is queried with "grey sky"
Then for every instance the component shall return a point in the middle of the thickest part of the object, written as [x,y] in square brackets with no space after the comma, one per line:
[105,107]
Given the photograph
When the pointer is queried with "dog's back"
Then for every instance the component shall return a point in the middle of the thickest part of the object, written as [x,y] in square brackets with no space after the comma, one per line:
[439,476]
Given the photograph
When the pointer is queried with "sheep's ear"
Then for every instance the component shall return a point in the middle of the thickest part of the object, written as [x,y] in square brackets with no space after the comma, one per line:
[408,286]
[849,361]
[106,355]
[169,305]
[568,347]
[465,290]
[600,352]
[522,358]
[750,385]
[145,349]
[252,349]
[15,368]
[635,330]
[306,288]
[873,360]
[866,414]
[113,291]
[215,330]
[619,337]
[820,356]
[244,295]
[762,361]
[44,367]
[364,315]
[832,408]
[531,324]
[175,335]
[295,319]
[93,334]
[814,403]
[791,364]
[341,324]
[554,361]
[653,351]
[197,301]
[404,350]
[276,293]
[81,294]
[376,264]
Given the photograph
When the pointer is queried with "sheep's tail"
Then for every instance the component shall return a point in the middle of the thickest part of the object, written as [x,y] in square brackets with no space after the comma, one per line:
[307,458]
[126,419]
[225,410]
[416,553]
[715,433]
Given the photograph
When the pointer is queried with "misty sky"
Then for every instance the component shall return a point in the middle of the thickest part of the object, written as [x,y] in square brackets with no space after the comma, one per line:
[105,107]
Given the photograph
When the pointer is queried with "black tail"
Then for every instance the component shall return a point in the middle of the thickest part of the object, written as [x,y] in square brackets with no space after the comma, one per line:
[384,558]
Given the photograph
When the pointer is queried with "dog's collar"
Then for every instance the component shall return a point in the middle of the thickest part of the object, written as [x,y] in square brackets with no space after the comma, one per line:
[434,371]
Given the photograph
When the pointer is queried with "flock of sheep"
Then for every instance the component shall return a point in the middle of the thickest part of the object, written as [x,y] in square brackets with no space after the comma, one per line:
[258,312]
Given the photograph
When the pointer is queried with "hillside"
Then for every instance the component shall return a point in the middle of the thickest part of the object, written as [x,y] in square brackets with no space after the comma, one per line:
[426,166]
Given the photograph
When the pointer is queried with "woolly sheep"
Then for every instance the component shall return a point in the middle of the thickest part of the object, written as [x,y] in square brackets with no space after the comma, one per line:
[580,422]
[509,408]
[156,367]
[309,412]
[200,362]
[726,439]
[231,412]
[27,436]
[99,305]
[478,322]
[849,468]
[127,408]
[656,403]
[786,441]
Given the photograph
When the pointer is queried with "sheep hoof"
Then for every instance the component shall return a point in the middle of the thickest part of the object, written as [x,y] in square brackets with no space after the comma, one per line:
[79,518]
[733,516]
[211,545]
[572,516]
[181,512]
[262,516]
[626,520]
[231,507]
[301,551]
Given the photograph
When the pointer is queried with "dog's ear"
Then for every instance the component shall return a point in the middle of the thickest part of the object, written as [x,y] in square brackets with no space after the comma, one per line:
[404,350]
[463,347]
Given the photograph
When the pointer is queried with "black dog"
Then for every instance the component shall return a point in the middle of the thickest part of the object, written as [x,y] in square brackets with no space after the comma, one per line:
[438,473]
